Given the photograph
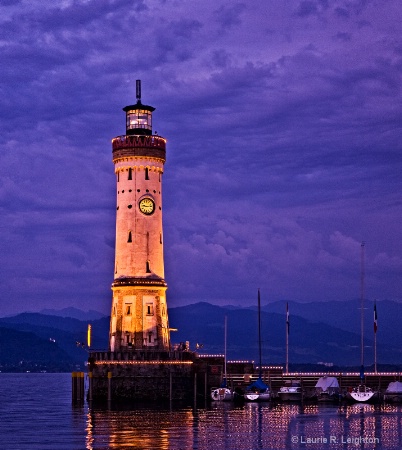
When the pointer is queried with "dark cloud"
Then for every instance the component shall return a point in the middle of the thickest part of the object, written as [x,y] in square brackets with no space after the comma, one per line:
[343,36]
[307,8]
[229,16]
[342,12]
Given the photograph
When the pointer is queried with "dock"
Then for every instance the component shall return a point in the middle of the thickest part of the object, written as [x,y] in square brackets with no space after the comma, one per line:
[187,376]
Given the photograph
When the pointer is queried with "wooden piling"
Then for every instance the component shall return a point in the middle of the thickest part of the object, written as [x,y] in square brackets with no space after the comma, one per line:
[109,386]
[78,390]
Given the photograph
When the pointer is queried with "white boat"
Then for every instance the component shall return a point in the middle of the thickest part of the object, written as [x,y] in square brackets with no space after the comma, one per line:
[393,393]
[221,394]
[291,391]
[362,393]
[257,391]
[327,389]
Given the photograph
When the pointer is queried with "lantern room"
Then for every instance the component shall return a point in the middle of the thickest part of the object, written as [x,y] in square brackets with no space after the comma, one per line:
[139,116]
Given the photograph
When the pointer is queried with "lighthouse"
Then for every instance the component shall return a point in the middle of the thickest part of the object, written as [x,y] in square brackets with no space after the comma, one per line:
[139,318]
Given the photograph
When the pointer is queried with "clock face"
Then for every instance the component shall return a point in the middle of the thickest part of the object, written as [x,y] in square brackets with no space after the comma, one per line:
[147,206]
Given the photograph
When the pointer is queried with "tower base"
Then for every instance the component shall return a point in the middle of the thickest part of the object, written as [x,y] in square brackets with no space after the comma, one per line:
[139,317]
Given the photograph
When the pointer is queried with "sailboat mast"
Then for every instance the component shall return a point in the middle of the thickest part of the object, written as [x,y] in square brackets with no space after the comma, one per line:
[259,331]
[362,303]
[375,352]
[287,338]
[226,331]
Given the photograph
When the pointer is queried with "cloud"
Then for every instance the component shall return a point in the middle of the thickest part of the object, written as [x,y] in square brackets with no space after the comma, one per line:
[284,145]
[229,16]
[307,8]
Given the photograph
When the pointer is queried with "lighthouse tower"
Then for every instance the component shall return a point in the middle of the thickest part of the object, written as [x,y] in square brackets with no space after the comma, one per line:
[139,317]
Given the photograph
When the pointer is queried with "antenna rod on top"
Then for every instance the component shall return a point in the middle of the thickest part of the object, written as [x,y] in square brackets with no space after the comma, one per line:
[138,90]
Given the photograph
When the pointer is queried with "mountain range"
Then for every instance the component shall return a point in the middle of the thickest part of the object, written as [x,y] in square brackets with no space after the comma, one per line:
[320,333]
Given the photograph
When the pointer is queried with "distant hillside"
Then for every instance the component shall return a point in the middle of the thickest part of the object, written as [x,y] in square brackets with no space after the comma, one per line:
[333,339]
[74,313]
[24,351]
[61,332]
[309,342]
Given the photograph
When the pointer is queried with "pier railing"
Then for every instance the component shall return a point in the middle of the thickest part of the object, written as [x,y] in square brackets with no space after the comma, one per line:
[98,356]
[141,146]
[124,141]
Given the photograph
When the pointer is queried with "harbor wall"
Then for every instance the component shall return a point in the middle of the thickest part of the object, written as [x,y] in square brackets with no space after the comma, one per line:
[147,375]
[156,375]
[185,375]
[142,381]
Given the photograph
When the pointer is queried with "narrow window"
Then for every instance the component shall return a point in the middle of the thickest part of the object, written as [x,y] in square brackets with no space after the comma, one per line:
[150,337]
[128,310]
[148,267]
[130,173]
[160,238]
[150,309]
[114,310]
[160,176]
[146,173]
[130,239]
[118,176]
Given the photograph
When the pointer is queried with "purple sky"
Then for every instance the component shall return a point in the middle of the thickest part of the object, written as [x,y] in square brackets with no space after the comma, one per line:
[283,123]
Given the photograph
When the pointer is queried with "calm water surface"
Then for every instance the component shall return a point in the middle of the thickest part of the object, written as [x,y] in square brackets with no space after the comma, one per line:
[36,413]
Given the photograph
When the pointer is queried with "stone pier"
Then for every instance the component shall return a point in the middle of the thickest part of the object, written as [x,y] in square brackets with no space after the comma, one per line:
[147,375]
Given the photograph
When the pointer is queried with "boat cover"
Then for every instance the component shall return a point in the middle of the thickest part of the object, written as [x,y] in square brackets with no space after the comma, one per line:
[327,382]
[257,384]
[394,386]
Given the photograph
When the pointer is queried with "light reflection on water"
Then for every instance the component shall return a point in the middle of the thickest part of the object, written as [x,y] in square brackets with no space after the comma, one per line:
[250,426]
[36,414]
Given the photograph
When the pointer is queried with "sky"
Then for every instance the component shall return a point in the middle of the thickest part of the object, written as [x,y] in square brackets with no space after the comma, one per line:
[283,122]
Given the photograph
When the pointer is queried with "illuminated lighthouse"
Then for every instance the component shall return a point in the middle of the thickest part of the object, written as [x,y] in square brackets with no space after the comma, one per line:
[139,317]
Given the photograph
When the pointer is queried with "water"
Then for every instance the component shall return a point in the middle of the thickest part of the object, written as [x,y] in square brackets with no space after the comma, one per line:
[36,413]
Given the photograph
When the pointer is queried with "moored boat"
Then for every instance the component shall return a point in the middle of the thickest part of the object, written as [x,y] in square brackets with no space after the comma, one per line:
[393,393]
[257,391]
[291,391]
[327,389]
[221,394]
[362,393]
